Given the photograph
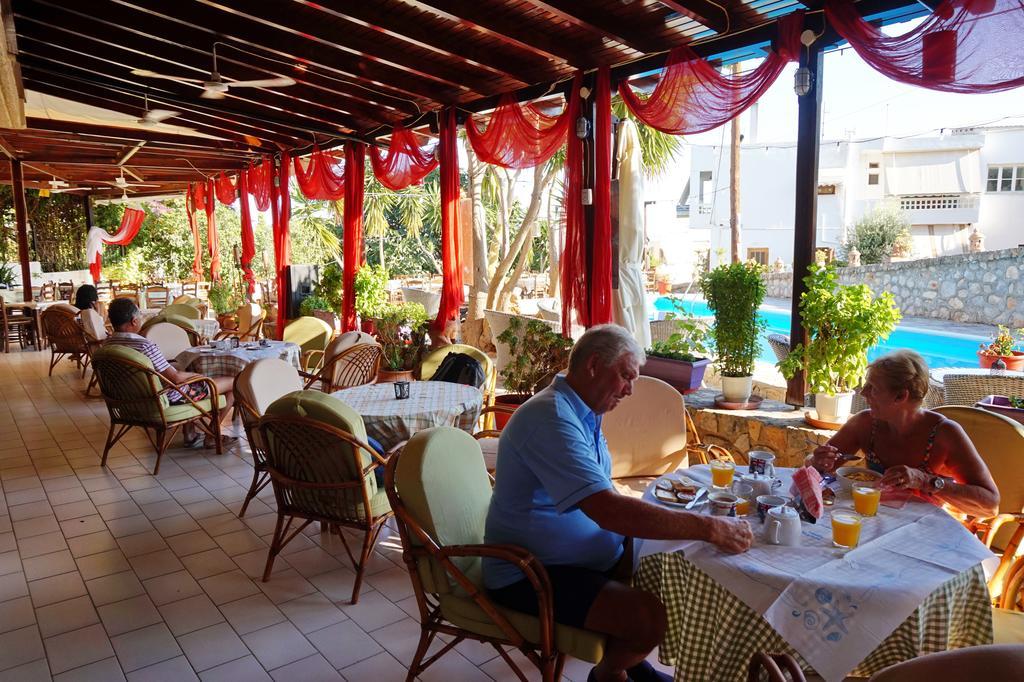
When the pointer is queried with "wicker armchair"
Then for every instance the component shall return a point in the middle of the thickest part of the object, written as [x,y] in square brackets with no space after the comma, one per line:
[434,359]
[65,336]
[322,470]
[258,385]
[95,335]
[185,310]
[312,335]
[488,436]
[440,492]
[170,338]
[353,366]
[250,317]
[777,667]
[967,389]
[137,395]
[646,433]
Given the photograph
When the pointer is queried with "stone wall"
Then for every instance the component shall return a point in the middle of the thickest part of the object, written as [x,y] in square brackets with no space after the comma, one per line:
[985,287]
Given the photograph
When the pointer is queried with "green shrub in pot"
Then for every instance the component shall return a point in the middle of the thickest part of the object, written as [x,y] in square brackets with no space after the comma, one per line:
[734,292]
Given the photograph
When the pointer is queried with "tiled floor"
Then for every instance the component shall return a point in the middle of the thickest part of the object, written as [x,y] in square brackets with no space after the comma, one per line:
[112,574]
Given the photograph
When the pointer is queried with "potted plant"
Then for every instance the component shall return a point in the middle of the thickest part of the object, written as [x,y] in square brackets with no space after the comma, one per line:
[537,355]
[682,359]
[224,300]
[326,296]
[1003,347]
[317,306]
[401,330]
[371,287]
[843,323]
[734,293]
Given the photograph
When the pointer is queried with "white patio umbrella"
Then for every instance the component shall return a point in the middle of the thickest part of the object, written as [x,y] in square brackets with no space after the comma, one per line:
[629,310]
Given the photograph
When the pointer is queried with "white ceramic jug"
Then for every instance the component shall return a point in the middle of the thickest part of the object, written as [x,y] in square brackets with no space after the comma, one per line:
[782,527]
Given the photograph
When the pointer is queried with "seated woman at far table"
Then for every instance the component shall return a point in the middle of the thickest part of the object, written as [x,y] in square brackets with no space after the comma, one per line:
[913,448]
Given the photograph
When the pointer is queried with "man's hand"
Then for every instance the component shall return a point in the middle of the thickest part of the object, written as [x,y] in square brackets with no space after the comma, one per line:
[732,536]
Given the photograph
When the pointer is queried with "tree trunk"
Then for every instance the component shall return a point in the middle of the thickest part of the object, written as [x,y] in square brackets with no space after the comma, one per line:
[554,251]
[478,289]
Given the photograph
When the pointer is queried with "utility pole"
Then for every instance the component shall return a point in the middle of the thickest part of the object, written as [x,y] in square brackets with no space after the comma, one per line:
[734,181]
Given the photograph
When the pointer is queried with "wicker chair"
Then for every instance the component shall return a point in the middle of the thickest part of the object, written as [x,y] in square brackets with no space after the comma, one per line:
[322,470]
[312,335]
[170,338]
[185,310]
[440,493]
[250,317]
[137,395]
[14,324]
[95,335]
[780,346]
[487,437]
[65,336]
[777,668]
[991,662]
[967,389]
[184,323]
[258,385]
[356,365]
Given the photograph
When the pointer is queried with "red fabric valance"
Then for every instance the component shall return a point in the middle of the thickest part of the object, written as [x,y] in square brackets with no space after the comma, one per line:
[225,189]
[248,239]
[212,239]
[693,97]
[352,240]
[518,135]
[406,163]
[261,183]
[965,46]
[451,256]
[318,178]
[281,211]
[601,244]
[574,257]
[131,222]
[190,211]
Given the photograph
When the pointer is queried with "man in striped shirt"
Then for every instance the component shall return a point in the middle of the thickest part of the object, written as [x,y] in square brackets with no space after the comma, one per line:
[126,319]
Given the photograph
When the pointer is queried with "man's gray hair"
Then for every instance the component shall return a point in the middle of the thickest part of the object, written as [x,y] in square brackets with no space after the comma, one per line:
[608,342]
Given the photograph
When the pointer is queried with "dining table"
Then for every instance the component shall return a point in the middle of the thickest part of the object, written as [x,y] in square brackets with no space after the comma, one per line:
[212,362]
[915,584]
[206,328]
[430,403]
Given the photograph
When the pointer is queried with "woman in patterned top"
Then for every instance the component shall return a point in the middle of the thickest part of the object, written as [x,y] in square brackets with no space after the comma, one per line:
[915,449]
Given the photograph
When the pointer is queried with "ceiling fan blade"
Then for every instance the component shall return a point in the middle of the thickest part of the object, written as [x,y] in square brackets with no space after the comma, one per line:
[158,115]
[279,82]
[153,74]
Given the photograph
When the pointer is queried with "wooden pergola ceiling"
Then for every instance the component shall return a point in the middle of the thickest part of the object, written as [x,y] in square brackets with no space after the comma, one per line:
[360,66]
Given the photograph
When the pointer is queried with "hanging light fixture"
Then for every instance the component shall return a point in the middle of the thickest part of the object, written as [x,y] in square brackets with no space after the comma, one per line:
[803,80]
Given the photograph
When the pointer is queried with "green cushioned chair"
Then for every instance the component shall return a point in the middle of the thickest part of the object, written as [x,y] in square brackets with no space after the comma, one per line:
[177,320]
[321,469]
[185,310]
[136,395]
[440,492]
[312,335]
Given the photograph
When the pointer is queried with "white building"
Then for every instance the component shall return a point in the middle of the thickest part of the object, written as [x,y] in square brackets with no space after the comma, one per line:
[946,186]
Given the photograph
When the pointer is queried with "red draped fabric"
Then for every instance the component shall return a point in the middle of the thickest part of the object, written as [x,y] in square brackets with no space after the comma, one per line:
[352,240]
[225,189]
[261,182]
[281,211]
[190,211]
[601,245]
[405,163]
[574,258]
[693,97]
[212,239]
[520,136]
[131,221]
[318,178]
[451,255]
[248,239]
[966,46]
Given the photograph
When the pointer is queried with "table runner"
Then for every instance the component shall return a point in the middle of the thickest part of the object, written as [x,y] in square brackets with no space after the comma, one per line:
[214,363]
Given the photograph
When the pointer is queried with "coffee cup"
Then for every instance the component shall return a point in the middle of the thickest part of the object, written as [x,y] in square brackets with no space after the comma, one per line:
[722,504]
[762,485]
[766,502]
[761,462]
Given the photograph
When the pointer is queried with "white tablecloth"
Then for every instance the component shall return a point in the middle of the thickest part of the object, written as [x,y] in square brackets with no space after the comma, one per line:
[209,362]
[430,403]
[834,606]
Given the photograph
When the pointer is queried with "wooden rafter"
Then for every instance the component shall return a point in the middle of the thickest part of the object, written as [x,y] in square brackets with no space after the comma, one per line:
[710,14]
[584,15]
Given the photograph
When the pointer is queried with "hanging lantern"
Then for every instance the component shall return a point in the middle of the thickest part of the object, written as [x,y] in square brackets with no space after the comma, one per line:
[938,56]
[802,81]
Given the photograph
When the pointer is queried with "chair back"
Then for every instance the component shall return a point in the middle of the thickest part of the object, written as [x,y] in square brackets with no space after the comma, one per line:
[182,309]
[441,488]
[262,382]
[310,333]
[250,318]
[183,298]
[646,433]
[169,337]
[967,389]
[780,346]
[127,291]
[129,385]
[1000,442]
[105,291]
[435,357]
[62,330]
[93,325]
[156,296]
[991,661]
[48,292]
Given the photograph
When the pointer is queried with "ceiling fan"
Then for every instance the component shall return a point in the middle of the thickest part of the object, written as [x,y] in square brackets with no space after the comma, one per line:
[215,87]
[151,117]
[56,184]
[121,183]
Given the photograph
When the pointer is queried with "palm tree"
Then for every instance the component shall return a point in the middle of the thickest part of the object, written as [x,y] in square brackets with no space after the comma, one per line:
[377,201]
[311,217]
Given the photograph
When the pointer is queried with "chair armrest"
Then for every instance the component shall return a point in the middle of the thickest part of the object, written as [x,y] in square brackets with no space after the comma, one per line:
[194,380]
[308,355]
[227,334]
[775,665]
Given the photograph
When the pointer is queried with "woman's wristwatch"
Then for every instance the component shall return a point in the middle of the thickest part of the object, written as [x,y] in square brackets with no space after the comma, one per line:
[937,484]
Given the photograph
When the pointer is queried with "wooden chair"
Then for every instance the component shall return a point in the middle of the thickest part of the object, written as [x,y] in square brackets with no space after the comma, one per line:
[312,335]
[258,385]
[434,359]
[65,290]
[170,338]
[777,668]
[440,493]
[321,469]
[487,437]
[137,395]
[156,296]
[95,334]
[202,291]
[48,292]
[105,291]
[990,662]
[250,318]
[127,291]
[14,324]
[65,336]
[346,365]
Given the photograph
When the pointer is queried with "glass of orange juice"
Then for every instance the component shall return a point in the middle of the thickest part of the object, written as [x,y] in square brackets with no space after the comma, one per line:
[744,493]
[865,499]
[846,528]
[722,473]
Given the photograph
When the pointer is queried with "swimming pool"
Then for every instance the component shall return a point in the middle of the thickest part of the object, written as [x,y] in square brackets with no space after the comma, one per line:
[938,350]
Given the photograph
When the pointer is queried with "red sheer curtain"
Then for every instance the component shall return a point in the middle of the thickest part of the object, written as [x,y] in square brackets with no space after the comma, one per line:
[212,239]
[693,97]
[518,135]
[248,239]
[225,189]
[352,241]
[451,255]
[601,246]
[281,211]
[965,46]
[574,257]
[131,221]
[318,178]
[261,182]
[406,163]
[190,211]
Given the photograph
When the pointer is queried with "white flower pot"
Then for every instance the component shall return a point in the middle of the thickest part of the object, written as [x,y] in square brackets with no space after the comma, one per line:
[737,389]
[833,408]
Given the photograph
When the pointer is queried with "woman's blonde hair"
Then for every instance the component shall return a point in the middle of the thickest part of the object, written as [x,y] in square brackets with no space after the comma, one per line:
[903,369]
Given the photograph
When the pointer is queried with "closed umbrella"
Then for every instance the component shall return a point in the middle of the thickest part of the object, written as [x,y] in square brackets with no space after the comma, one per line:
[629,307]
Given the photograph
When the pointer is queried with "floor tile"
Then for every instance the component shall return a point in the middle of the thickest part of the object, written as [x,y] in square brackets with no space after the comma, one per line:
[141,543]
[172,587]
[212,646]
[16,614]
[74,510]
[172,670]
[129,614]
[175,525]
[278,645]
[191,543]
[56,589]
[209,563]
[66,616]
[146,646]
[46,543]
[381,668]
[107,670]
[93,543]
[344,644]
[285,586]
[12,586]
[36,671]
[47,565]
[240,542]
[83,526]
[312,669]
[227,587]
[190,614]
[312,612]
[77,648]
[155,563]
[113,588]
[372,611]
[251,613]
[102,563]
[245,669]
[39,525]
[20,646]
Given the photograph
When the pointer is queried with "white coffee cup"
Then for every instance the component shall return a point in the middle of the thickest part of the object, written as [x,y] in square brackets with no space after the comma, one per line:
[782,527]
[722,504]
[761,462]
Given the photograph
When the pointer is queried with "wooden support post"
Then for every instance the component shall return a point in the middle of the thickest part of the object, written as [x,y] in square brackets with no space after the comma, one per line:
[587,111]
[734,182]
[21,220]
[806,214]
[87,210]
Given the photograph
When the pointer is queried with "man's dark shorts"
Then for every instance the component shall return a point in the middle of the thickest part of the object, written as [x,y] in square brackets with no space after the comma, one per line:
[574,590]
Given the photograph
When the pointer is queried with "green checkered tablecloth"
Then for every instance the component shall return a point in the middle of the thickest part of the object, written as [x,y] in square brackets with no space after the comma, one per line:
[712,634]
[216,363]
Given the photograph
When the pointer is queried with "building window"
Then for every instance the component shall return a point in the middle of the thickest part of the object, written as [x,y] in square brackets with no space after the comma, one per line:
[1005,179]
[873,177]
[759,256]
[826,189]
[937,201]
[704,195]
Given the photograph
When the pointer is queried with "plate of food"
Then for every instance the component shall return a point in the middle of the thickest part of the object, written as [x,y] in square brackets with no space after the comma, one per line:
[851,476]
[676,490]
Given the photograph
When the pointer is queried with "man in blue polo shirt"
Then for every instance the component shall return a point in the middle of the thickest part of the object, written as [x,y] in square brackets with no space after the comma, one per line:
[554,496]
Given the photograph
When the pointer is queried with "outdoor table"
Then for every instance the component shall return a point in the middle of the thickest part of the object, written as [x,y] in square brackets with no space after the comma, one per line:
[206,329]
[209,362]
[913,586]
[430,403]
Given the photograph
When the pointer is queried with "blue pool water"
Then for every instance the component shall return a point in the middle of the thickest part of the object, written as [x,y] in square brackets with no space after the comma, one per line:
[938,350]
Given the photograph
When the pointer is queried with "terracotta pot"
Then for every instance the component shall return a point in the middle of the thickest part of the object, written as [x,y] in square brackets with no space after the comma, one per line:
[328,317]
[386,376]
[508,400]
[1014,363]
[683,376]
[368,325]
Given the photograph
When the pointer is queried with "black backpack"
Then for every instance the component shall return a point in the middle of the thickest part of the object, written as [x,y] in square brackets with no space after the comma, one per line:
[459,368]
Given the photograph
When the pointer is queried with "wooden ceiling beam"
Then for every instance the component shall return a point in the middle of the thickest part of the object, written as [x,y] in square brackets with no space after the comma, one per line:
[601,25]
[11,151]
[84,131]
[710,14]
